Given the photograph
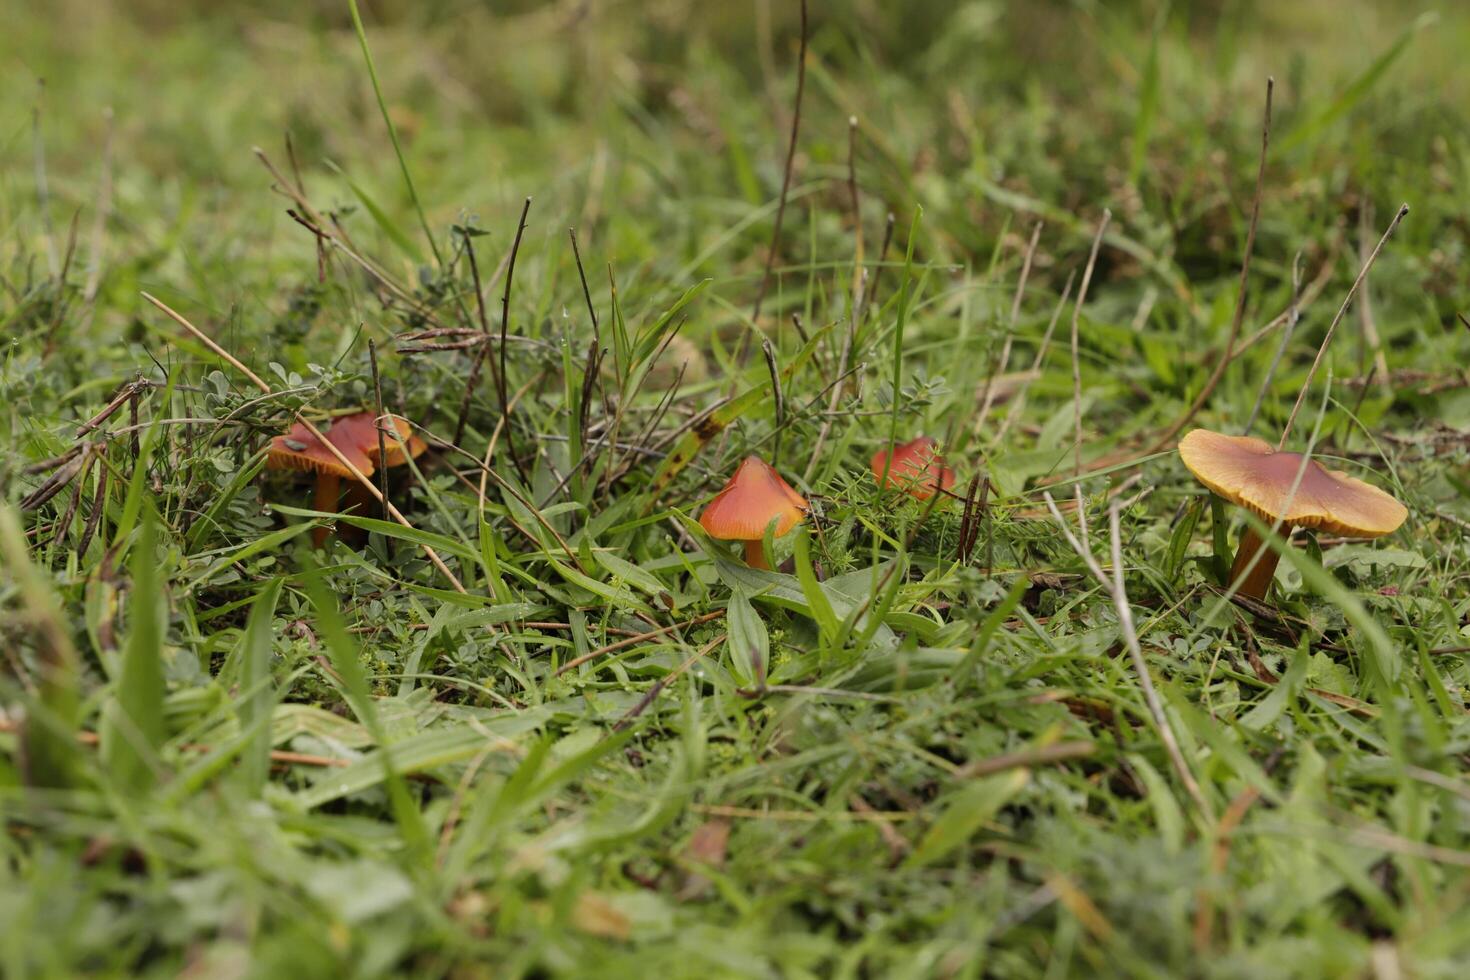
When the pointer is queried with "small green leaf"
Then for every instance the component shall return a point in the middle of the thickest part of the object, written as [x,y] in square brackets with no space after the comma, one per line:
[1179,539]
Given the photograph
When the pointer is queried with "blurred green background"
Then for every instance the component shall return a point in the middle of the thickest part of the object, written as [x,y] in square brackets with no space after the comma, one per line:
[658,128]
[674,114]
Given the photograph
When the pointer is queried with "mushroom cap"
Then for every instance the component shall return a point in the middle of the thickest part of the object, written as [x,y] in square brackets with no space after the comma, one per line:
[754,496]
[300,449]
[360,430]
[916,467]
[1251,473]
[356,435]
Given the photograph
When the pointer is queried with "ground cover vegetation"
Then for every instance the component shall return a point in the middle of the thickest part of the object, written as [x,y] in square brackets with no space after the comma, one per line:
[954,679]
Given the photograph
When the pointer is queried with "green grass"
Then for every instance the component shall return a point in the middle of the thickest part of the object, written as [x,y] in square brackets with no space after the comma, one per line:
[225,754]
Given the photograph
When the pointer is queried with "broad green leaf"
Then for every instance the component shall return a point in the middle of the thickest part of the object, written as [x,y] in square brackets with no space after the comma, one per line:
[816,598]
[749,646]
[627,571]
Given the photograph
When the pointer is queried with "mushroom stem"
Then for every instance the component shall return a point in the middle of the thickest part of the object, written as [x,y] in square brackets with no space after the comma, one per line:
[325,500]
[1253,582]
[755,554]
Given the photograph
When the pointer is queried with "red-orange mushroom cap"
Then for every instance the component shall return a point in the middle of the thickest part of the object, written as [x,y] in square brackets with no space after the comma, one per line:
[754,496]
[1251,473]
[916,467]
[360,430]
[300,449]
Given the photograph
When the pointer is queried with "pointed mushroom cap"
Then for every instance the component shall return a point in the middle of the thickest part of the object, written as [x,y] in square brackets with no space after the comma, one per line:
[299,449]
[749,501]
[917,467]
[1251,473]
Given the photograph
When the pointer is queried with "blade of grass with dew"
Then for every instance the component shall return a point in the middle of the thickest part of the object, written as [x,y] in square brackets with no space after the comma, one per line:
[749,647]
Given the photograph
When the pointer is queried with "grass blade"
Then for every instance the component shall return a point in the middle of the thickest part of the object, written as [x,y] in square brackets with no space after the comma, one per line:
[345,659]
[413,194]
[259,698]
[133,722]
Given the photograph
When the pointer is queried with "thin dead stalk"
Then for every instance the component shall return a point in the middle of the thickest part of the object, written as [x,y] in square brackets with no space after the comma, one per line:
[1341,311]
[1076,365]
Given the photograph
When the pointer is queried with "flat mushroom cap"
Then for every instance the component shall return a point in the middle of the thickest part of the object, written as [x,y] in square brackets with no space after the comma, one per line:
[916,467]
[1251,473]
[754,496]
[299,449]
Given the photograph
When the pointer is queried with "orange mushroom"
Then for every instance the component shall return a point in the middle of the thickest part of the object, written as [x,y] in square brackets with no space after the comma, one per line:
[300,449]
[1252,473]
[356,437]
[917,467]
[753,498]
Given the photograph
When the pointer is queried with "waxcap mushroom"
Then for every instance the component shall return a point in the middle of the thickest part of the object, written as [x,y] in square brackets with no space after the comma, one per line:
[356,437]
[1275,486]
[754,496]
[916,467]
[300,449]
[1250,472]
